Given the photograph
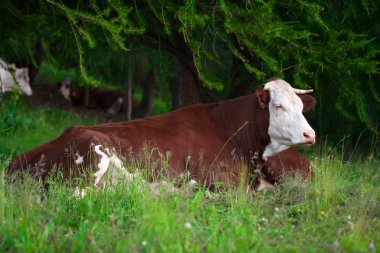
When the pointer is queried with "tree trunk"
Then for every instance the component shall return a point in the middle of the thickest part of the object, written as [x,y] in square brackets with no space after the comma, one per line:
[174,88]
[188,87]
[188,80]
[39,57]
[189,83]
[241,79]
[129,99]
[149,85]
[128,83]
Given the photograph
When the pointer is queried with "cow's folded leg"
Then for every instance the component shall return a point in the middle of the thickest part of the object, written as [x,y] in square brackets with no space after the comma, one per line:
[263,184]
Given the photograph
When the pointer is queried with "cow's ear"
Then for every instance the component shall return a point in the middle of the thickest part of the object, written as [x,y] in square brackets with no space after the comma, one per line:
[25,72]
[263,97]
[308,102]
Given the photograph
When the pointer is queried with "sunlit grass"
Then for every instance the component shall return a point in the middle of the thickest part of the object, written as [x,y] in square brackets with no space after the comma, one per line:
[23,126]
[338,211]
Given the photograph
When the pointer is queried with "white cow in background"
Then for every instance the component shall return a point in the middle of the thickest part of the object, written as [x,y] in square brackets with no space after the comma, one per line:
[14,78]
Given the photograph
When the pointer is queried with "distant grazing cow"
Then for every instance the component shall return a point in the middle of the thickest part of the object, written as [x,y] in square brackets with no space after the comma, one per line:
[113,101]
[209,141]
[14,78]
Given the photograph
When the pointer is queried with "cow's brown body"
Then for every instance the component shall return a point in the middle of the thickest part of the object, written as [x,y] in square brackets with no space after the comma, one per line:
[212,142]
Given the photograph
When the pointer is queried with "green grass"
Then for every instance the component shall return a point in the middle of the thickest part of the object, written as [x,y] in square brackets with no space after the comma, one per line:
[339,211]
[24,126]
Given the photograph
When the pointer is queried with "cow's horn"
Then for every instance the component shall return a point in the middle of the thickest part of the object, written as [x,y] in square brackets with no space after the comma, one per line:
[298,91]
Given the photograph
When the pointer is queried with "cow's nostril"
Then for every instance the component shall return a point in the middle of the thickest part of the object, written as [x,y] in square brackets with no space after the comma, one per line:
[309,135]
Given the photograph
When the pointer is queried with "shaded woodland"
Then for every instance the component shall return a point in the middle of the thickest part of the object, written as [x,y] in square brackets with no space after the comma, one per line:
[187,52]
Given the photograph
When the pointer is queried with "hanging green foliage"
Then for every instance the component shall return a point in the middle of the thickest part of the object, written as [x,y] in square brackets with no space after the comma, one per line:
[331,46]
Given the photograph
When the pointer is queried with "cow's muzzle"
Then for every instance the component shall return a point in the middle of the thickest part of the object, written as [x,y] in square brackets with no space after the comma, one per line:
[308,138]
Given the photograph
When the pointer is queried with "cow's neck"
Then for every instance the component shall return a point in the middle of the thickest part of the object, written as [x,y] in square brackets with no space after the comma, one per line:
[273,148]
[245,124]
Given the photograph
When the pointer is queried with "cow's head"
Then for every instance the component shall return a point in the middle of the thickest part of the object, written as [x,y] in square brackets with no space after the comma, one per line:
[287,124]
[65,88]
[22,77]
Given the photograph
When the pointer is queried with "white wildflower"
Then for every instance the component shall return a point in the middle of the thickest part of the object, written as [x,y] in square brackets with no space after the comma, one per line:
[80,193]
[79,159]
[371,245]
[144,243]
[188,225]
[192,183]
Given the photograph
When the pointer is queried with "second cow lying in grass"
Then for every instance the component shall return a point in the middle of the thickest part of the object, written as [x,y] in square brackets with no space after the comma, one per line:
[112,101]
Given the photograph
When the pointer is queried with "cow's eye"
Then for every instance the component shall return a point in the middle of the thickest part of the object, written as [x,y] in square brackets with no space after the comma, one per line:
[278,107]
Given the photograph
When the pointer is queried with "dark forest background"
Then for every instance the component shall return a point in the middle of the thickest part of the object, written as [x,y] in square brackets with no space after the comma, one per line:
[185,52]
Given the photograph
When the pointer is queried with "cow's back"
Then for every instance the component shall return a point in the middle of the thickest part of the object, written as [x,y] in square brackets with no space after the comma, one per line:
[184,139]
[188,136]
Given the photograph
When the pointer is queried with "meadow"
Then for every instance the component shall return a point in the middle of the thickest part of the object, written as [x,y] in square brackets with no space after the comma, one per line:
[338,211]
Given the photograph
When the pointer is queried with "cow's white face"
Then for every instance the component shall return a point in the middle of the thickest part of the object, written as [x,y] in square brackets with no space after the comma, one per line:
[287,124]
[22,77]
[65,88]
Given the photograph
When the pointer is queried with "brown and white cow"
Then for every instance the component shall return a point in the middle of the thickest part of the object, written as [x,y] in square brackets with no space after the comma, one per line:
[210,141]
[113,101]
[14,78]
